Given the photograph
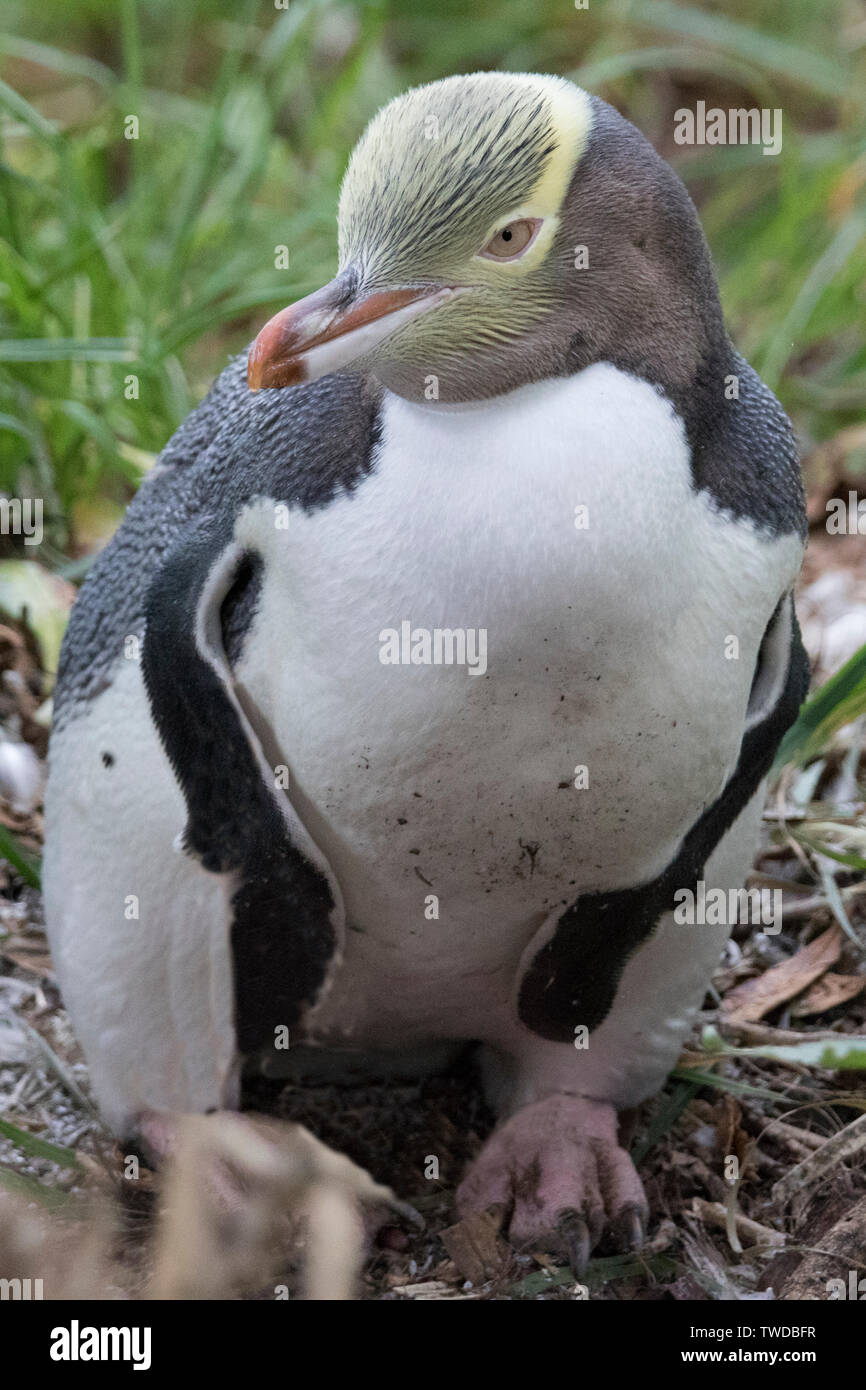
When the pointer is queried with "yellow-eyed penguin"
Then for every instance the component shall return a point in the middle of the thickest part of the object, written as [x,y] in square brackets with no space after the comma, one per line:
[407,697]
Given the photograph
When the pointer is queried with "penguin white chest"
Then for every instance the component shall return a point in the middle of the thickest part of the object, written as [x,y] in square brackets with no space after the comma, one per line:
[513,665]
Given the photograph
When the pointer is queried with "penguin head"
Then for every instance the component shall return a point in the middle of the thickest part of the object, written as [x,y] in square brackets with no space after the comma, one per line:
[496,229]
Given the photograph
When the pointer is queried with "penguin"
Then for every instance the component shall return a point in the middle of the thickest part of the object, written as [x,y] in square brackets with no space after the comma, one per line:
[447,644]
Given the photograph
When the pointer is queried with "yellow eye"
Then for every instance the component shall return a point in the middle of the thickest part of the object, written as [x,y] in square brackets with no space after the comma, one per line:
[512,240]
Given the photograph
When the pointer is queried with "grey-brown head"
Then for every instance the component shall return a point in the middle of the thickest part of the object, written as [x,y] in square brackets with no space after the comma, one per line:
[495,229]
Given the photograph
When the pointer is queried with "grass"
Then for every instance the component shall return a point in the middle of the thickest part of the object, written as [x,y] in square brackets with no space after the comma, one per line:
[132,267]
[23,863]
[840,701]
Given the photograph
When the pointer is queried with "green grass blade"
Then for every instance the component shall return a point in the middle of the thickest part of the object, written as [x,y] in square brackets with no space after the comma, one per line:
[57,60]
[131,39]
[67,350]
[595,73]
[665,1117]
[21,1185]
[32,118]
[823,272]
[727,1083]
[840,701]
[23,863]
[846,1054]
[782,56]
[39,1148]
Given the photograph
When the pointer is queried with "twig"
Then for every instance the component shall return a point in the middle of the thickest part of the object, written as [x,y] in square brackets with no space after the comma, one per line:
[846,1144]
[715,1214]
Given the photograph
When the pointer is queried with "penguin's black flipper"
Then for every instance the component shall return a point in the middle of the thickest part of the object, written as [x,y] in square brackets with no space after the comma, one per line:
[287,912]
[574,977]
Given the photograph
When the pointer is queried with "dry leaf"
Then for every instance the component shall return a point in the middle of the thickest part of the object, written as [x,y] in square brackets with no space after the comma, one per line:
[475,1247]
[727,1116]
[754,998]
[828,992]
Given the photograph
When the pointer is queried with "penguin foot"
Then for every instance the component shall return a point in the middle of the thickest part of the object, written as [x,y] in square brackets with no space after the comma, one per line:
[557,1167]
[234,1151]
[239,1191]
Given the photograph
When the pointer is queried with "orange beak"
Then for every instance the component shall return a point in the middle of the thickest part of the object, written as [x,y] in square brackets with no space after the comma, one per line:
[330,329]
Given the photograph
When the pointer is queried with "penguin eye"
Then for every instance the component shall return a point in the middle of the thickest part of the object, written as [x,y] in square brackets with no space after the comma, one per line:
[512,239]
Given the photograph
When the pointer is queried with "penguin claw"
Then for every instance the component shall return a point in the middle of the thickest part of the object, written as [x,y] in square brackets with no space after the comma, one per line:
[407,1212]
[574,1234]
[632,1229]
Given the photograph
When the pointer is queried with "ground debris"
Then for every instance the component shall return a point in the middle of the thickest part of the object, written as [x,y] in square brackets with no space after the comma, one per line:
[754,998]
[475,1247]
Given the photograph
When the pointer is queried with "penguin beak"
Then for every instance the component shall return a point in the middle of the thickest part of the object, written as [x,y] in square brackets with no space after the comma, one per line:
[331,329]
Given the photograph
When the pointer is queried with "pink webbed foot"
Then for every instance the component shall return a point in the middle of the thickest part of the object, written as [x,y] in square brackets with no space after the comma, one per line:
[557,1166]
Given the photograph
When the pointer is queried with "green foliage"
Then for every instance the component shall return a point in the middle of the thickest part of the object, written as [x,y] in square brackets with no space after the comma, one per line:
[155,257]
[840,701]
[604,1270]
[40,1148]
[31,1190]
[836,1054]
[21,1184]
[12,851]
